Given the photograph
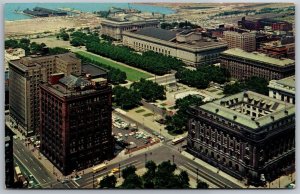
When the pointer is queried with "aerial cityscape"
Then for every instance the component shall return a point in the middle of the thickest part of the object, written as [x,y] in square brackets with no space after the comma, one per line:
[149,95]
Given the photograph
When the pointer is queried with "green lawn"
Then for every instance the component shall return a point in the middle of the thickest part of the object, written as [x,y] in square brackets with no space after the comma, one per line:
[132,74]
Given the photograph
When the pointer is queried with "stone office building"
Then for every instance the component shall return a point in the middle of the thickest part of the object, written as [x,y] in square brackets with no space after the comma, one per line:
[189,46]
[243,65]
[75,122]
[283,89]
[114,27]
[247,135]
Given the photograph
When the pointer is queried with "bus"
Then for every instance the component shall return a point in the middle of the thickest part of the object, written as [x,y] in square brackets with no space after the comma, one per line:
[99,168]
[177,140]
[18,171]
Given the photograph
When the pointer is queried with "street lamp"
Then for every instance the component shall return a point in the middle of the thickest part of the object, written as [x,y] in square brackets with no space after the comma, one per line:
[145,158]
[173,158]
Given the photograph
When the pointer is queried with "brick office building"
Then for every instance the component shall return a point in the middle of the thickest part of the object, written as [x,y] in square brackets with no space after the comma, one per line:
[246,135]
[25,76]
[243,65]
[75,122]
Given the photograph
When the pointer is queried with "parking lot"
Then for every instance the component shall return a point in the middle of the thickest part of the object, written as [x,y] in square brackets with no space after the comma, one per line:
[128,135]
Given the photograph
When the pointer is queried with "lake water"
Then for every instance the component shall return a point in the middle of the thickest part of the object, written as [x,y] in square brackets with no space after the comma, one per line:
[10,15]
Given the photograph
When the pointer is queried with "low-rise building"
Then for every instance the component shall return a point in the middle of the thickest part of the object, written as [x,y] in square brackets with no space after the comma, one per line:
[115,26]
[247,135]
[283,89]
[243,65]
[189,46]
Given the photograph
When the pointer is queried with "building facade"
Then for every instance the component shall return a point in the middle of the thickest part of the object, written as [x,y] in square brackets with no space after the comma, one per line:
[9,158]
[25,76]
[245,41]
[243,65]
[283,89]
[115,27]
[247,135]
[191,47]
[75,122]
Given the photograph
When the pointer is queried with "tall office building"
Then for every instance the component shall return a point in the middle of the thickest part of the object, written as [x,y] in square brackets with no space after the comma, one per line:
[247,135]
[25,76]
[245,40]
[75,122]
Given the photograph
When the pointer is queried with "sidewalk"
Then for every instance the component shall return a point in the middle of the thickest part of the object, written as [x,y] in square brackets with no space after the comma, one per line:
[281,182]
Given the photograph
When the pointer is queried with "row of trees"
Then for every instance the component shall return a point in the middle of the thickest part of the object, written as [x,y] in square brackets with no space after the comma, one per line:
[256,84]
[149,61]
[173,25]
[156,177]
[130,98]
[32,48]
[177,123]
[149,90]
[114,75]
[201,77]
[80,38]
[29,47]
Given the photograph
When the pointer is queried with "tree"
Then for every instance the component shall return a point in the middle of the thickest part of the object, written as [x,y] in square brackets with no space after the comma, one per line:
[76,42]
[257,84]
[11,43]
[177,123]
[133,181]
[230,89]
[25,41]
[108,182]
[57,50]
[184,179]
[202,185]
[65,36]
[130,170]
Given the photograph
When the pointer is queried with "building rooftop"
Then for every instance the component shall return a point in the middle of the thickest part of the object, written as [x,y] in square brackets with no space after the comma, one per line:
[260,57]
[27,63]
[288,81]
[157,33]
[286,84]
[93,70]
[73,82]
[168,38]
[233,108]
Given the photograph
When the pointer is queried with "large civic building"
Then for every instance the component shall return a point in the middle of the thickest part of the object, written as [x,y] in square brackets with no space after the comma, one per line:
[283,89]
[75,121]
[25,76]
[243,65]
[189,46]
[247,135]
[115,26]
[245,40]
